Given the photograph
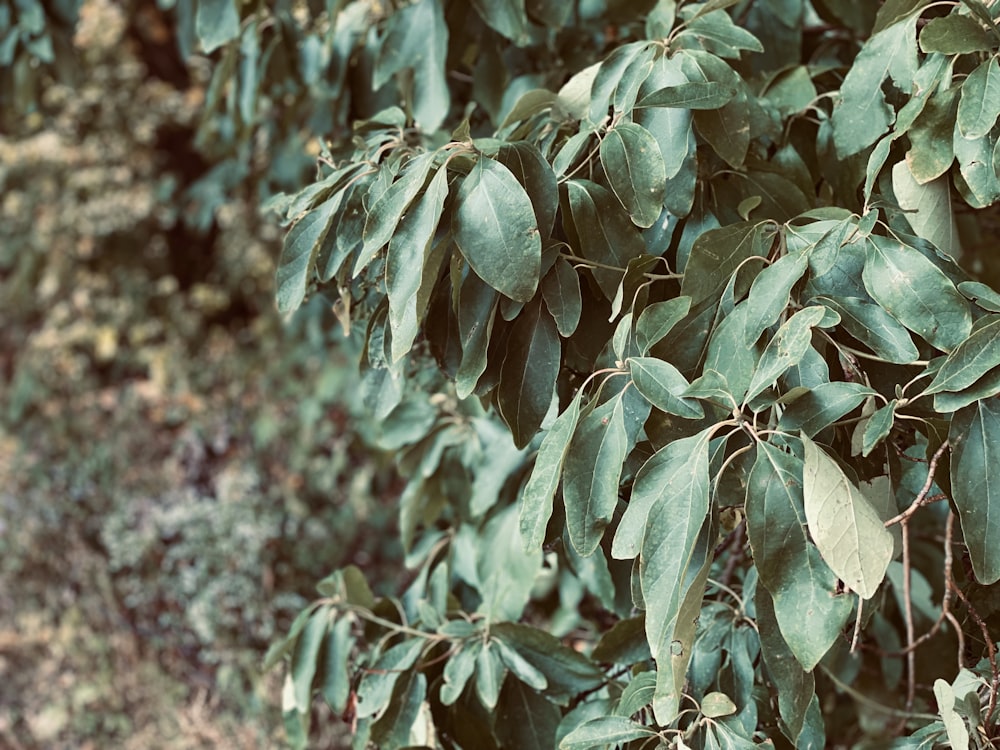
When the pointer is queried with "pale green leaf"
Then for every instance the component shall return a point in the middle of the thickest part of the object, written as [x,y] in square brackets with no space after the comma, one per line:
[716,705]
[298,256]
[975,444]
[958,733]
[609,75]
[970,360]
[802,585]
[656,320]
[845,527]
[216,23]
[988,385]
[770,292]
[603,731]
[661,384]
[671,127]
[490,673]
[305,656]
[874,327]
[979,106]
[787,347]
[375,689]
[955,34]
[929,208]
[335,682]
[495,228]
[932,147]
[457,671]
[529,371]
[877,427]
[822,406]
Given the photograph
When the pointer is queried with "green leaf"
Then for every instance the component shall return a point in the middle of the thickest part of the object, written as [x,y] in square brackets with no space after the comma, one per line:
[862,115]
[661,384]
[932,148]
[975,443]
[526,719]
[979,106]
[770,292]
[416,37]
[671,127]
[298,256]
[567,672]
[529,167]
[609,75]
[982,294]
[624,643]
[822,406]
[878,427]
[979,182]
[691,95]
[606,234]
[409,247]
[506,16]
[716,705]
[715,32]
[335,680]
[802,585]
[786,349]
[520,667]
[457,671]
[730,355]
[955,35]
[970,360]
[726,129]
[305,656]
[477,305]
[529,372]
[929,207]
[916,292]
[394,727]
[845,526]
[495,228]
[216,23]
[561,292]
[376,686]
[678,470]
[873,327]
[958,733]
[796,687]
[716,255]
[388,208]
[536,500]
[634,166]
[985,387]
[592,470]
[656,320]
[604,731]
[638,693]
[490,673]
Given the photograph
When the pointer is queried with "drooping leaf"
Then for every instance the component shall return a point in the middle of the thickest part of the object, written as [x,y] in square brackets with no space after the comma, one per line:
[790,567]
[529,372]
[691,95]
[567,672]
[525,718]
[477,306]
[975,444]
[846,528]
[592,469]
[335,679]
[874,327]
[979,107]
[561,292]
[536,500]
[635,169]
[787,347]
[929,208]
[670,126]
[769,293]
[376,686]
[457,671]
[393,728]
[916,292]
[305,656]
[878,427]
[716,254]
[606,234]
[298,256]
[527,164]
[932,147]
[388,208]
[609,75]
[988,385]
[490,674]
[678,470]
[495,228]
[863,114]
[727,129]
[506,16]
[408,249]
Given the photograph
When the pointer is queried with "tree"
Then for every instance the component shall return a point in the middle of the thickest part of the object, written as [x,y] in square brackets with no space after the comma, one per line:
[667,310]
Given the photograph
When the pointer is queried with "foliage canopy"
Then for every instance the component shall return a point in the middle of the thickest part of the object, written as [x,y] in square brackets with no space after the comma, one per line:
[661,306]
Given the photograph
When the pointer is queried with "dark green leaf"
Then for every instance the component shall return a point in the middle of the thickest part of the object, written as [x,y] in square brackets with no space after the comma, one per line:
[982,294]
[376,686]
[634,166]
[520,667]
[477,305]
[877,427]
[770,292]
[298,256]
[409,247]
[606,235]
[823,406]
[638,693]
[624,643]
[525,718]
[692,95]
[592,469]
[394,727]
[916,292]
[985,387]
[727,129]
[527,164]
[715,32]
[657,319]
[845,526]
[955,34]
[561,292]
[506,16]
[529,371]
[568,672]
[609,75]
[970,360]
[495,228]
[975,444]
[716,255]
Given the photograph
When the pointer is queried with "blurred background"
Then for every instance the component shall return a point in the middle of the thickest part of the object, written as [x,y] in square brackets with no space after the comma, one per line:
[178,465]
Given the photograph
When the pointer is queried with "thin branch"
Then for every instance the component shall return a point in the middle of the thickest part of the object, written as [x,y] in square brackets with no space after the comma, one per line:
[922,498]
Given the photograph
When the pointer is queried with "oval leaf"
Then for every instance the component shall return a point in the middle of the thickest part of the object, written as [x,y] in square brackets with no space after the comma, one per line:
[635,169]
